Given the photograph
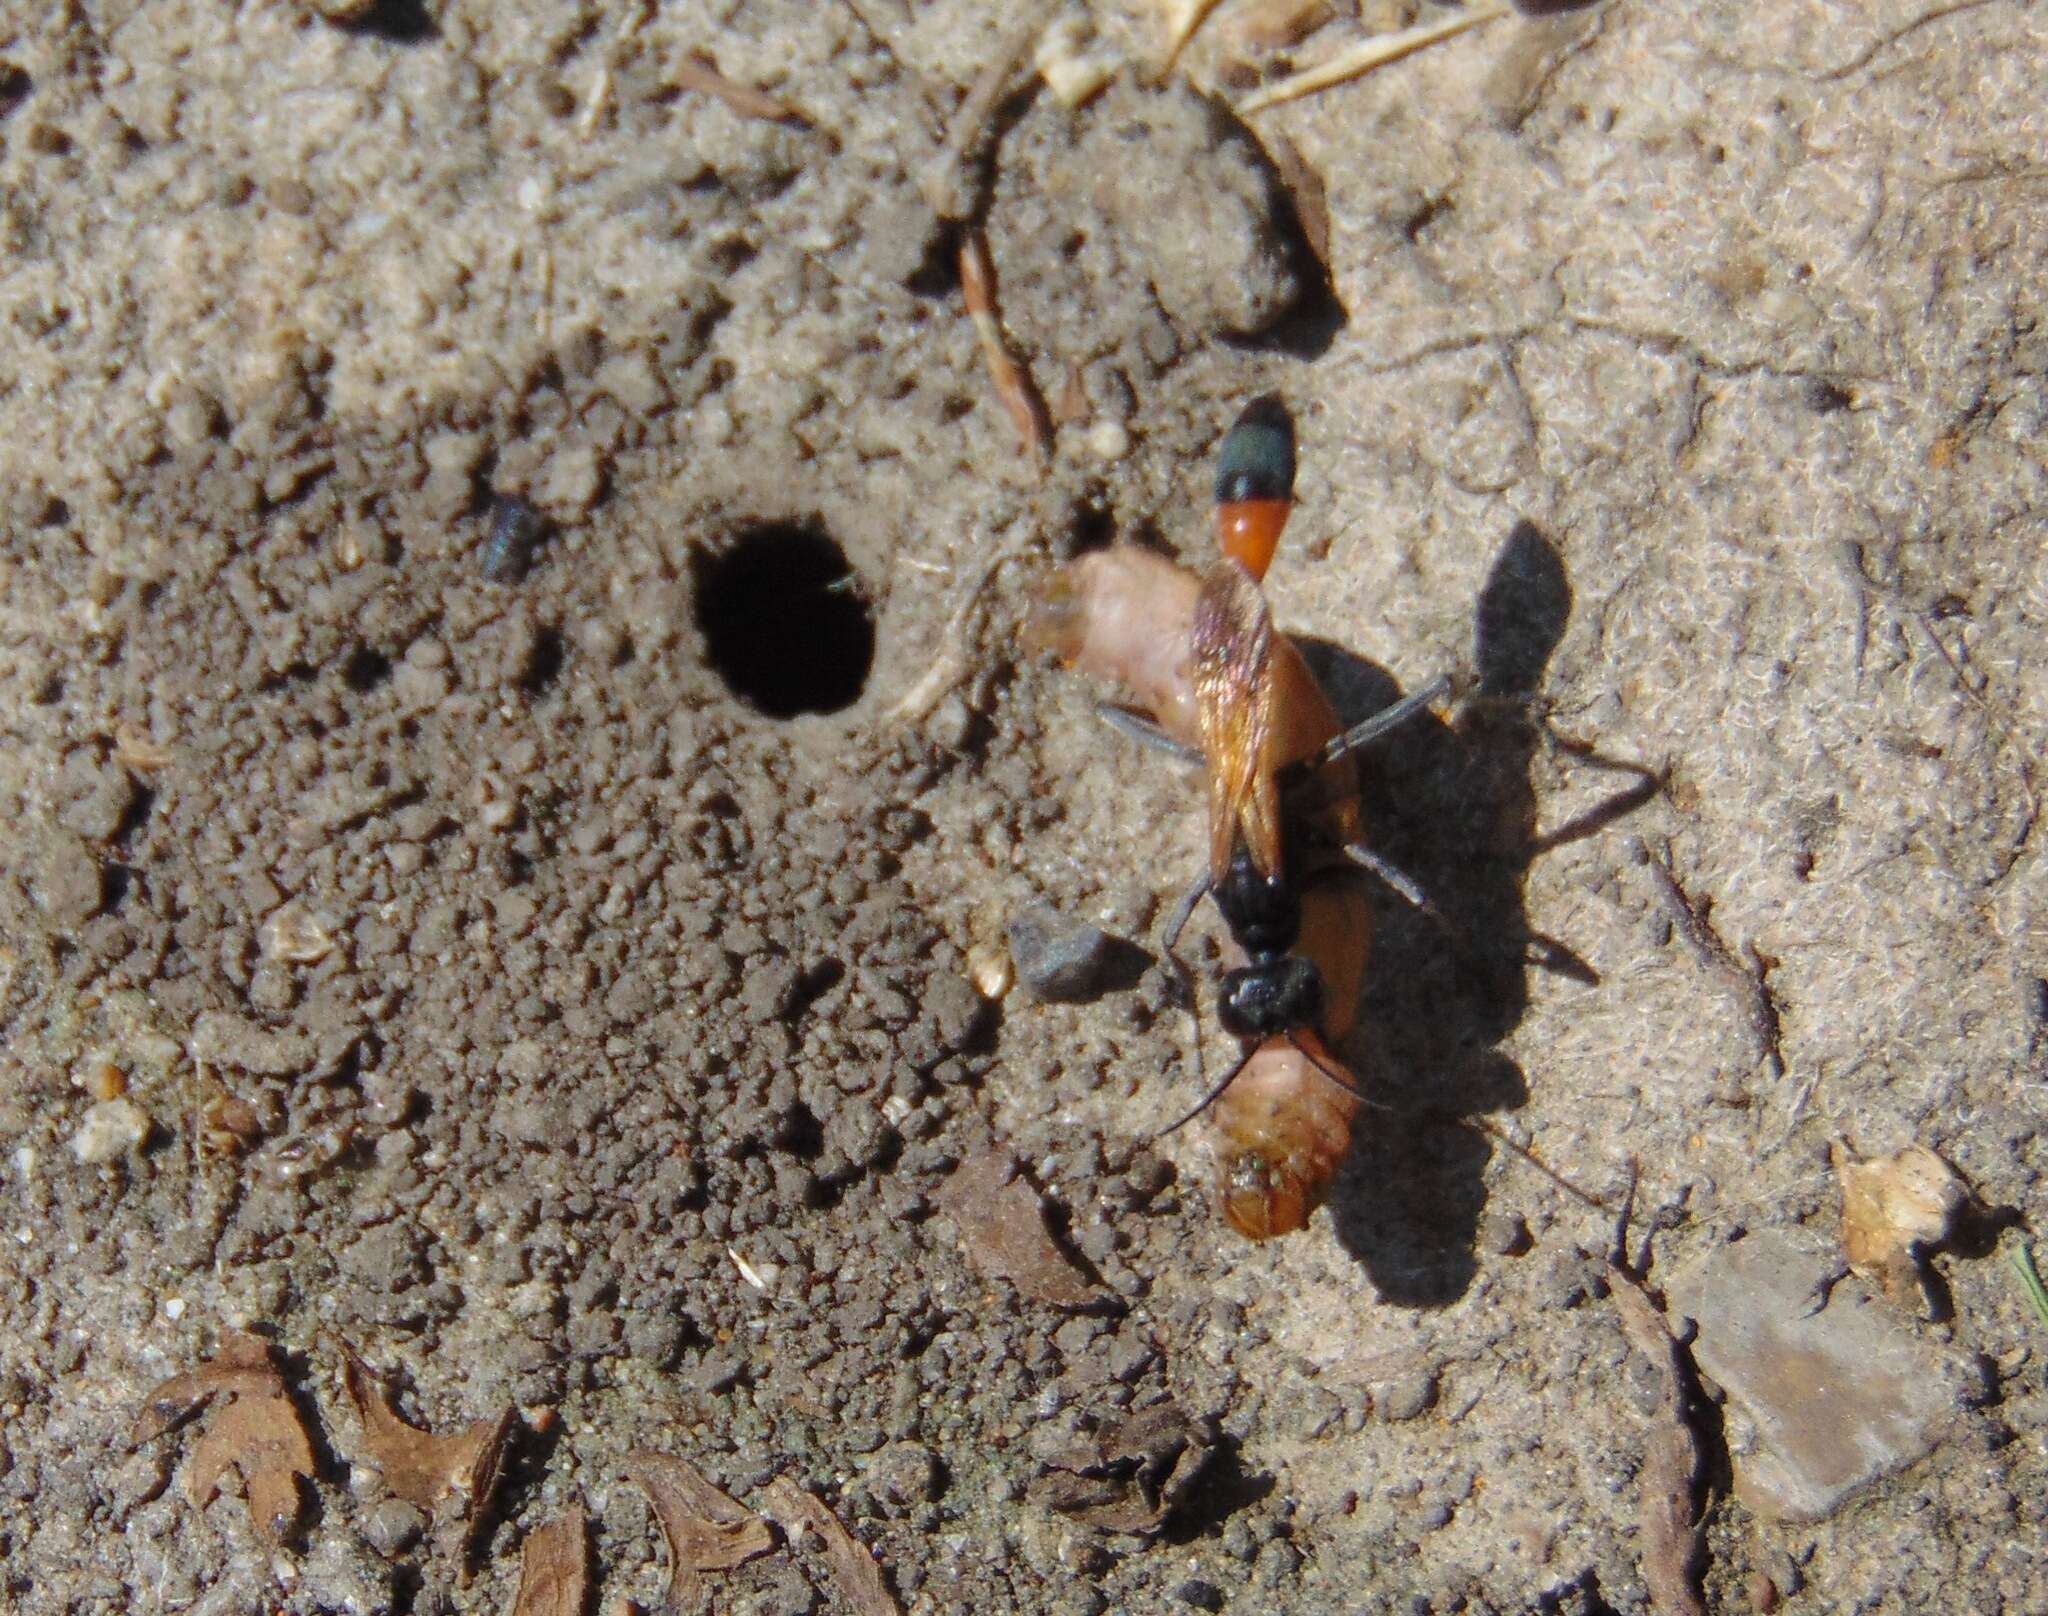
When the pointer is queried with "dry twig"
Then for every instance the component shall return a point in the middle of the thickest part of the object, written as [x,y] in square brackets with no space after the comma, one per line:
[1668,1483]
[1366,55]
[947,183]
[1015,389]
[1748,981]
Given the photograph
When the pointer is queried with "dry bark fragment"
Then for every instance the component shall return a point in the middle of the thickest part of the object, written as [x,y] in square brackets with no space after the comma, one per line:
[705,1528]
[257,1432]
[852,1567]
[1132,1477]
[1002,1229]
[1668,1483]
[453,1475]
[1893,1209]
[554,1568]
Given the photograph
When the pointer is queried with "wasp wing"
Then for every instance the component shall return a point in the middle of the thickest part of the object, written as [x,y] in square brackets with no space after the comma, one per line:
[1231,649]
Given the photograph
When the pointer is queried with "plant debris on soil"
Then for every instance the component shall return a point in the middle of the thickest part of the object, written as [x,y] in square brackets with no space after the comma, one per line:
[854,1572]
[250,1429]
[554,1568]
[704,1528]
[1894,1210]
[457,1472]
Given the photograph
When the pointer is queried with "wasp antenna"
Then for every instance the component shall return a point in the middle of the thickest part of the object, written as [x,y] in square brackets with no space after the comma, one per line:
[1255,483]
[1212,1096]
[1146,732]
[1334,1073]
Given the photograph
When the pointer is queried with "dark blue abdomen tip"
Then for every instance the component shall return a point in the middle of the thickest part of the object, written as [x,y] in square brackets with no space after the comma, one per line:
[1257,457]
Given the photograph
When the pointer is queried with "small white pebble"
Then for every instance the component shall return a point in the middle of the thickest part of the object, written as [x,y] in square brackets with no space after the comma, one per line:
[174,1308]
[111,1129]
[290,932]
[1109,440]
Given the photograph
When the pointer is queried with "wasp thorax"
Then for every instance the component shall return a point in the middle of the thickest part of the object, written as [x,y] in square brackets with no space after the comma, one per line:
[1275,996]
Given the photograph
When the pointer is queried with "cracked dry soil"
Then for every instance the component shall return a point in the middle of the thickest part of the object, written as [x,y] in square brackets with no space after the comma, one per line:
[558,990]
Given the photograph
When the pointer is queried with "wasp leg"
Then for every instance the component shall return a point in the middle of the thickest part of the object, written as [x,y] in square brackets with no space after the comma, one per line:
[1174,927]
[1366,859]
[1135,726]
[1371,729]
[1181,913]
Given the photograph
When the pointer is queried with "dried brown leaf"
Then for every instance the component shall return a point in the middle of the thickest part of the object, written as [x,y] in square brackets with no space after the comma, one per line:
[256,1433]
[1893,1209]
[421,1467]
[554,1568]
[1001,1220]
[705,1529]
[852,1567]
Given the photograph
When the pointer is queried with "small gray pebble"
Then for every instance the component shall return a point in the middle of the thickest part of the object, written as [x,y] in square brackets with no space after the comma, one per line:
[393,1526]
[1506,1235]
[1059,960]
[1408,1398]
[950,724]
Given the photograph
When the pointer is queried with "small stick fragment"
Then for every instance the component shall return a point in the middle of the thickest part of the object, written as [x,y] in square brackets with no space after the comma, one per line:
[705,1529]
[945,181]
[697,72]
[950,661]
[1668,1483]
[554,1568]
[1366,55]
[1182,17]
[135,751]
[1014,387]
[1748,982]
[852,1567]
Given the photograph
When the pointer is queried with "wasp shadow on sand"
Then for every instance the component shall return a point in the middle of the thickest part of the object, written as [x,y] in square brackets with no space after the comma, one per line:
[1454,806]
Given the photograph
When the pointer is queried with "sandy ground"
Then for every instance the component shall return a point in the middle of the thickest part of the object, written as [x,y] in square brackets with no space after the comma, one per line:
[464,973]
